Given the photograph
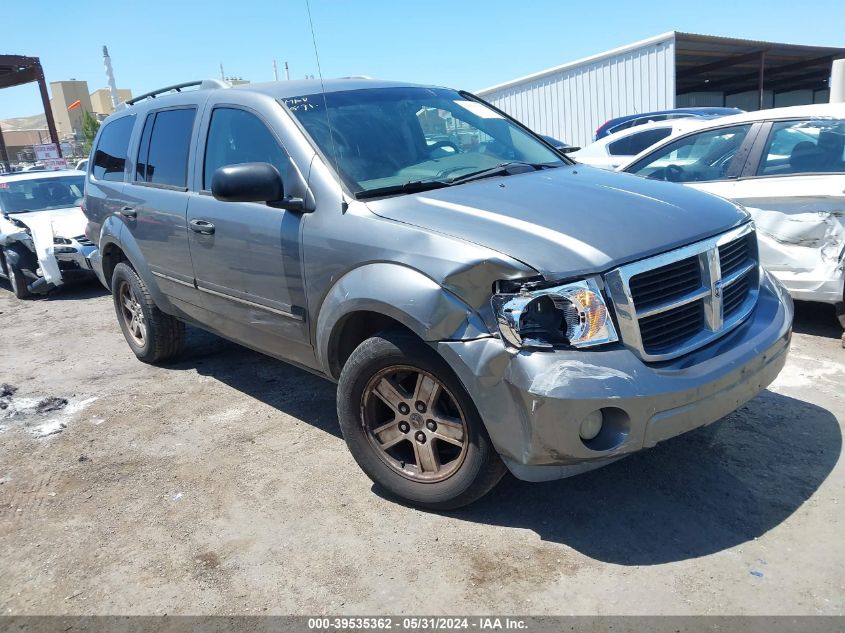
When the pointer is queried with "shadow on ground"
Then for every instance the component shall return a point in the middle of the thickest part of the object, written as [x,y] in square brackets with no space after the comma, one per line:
[285,387]
[703,492]
[77,291]
[817,319]
[691,496]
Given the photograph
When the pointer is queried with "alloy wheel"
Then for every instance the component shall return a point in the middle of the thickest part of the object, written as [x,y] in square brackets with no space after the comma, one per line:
[415,423]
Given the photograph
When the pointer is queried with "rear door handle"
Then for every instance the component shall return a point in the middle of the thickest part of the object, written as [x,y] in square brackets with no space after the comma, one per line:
[129,212]
[201,226]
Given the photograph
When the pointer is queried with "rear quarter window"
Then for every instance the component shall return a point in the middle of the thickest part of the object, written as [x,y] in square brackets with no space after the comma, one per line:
[112,148]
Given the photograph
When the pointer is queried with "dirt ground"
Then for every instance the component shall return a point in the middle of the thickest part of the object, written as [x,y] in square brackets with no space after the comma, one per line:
[219,484]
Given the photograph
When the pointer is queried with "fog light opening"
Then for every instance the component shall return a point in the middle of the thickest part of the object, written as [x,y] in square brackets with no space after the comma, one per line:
[591,425]
[605,429]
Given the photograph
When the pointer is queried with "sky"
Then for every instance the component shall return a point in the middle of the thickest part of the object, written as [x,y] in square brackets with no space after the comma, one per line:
[465,44]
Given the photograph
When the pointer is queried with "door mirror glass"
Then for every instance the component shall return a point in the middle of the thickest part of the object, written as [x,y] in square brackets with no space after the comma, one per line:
[247,182]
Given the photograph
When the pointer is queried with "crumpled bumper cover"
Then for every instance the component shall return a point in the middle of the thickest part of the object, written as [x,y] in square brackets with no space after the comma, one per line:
[533,403]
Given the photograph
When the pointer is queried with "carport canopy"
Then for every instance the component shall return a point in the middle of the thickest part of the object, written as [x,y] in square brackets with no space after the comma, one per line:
[706,63]
[16,70]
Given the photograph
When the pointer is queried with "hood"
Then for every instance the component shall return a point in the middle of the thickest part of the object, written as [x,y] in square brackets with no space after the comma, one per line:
[69,222]
[568,221]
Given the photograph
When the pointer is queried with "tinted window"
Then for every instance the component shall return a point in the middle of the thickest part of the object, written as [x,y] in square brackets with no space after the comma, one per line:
[110,155]
[633,144]
[236,136]
[697,157]
[169,141]
[144,149]
[802,147]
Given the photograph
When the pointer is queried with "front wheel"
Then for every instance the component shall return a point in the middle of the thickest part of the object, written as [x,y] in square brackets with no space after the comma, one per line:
[17,280]
[412,427]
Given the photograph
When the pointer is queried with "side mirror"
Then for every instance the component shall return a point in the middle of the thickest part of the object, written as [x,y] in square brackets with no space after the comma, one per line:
[252,182]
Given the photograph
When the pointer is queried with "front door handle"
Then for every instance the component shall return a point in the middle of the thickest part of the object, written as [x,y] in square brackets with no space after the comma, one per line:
[201,226]
[129,212]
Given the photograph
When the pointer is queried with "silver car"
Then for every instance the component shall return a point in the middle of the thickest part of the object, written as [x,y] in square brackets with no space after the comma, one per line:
[484,304]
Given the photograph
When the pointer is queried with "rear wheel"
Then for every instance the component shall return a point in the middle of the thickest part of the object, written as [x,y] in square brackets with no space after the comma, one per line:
[411,426]
[152,335]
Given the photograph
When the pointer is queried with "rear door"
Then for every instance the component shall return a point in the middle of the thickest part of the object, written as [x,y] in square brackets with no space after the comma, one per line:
[158,200]
[247,255]
[794,186]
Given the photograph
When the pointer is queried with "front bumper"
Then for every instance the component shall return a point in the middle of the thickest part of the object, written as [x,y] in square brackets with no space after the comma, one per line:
[74,264]
[533,403]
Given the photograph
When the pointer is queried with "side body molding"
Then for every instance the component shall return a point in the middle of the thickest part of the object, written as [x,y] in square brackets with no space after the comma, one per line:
[402,293]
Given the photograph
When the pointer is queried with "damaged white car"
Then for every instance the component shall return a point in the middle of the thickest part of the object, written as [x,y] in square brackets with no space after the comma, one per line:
[787,167]
[42,231]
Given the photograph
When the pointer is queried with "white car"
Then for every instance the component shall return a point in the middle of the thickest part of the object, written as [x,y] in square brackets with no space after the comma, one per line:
[42,231]
[617,149]
[787,167]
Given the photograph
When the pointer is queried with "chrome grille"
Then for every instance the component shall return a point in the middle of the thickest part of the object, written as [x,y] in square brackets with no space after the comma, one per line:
[666,283]
[673,303]
[662,331]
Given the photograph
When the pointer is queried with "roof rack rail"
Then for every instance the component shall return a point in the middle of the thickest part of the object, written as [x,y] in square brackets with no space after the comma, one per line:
[205,84]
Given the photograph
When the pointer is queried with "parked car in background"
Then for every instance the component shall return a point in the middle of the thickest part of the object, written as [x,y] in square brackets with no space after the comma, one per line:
[617,149]
[632,120]
[42,231]
[787,167]
[483,305]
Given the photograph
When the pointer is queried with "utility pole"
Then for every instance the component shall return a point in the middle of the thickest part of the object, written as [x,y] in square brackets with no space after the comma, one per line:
[287,72]
[275,72]
[222,76]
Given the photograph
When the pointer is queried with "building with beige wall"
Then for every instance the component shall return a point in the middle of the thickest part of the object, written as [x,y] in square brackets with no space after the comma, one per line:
[101,100]
[65,93]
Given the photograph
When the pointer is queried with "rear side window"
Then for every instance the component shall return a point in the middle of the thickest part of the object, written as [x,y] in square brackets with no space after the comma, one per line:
[804,147]
[163,153]
[236,136]
[635,143]
[110,155]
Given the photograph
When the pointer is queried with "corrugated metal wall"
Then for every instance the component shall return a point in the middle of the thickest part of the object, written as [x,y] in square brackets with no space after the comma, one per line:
[569,103]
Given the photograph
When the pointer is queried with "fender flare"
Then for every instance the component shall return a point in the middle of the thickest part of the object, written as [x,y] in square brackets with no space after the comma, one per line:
[113,233]
[401,293]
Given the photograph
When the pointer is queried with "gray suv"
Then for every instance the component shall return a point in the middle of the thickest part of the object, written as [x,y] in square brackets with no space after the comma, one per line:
[483,303]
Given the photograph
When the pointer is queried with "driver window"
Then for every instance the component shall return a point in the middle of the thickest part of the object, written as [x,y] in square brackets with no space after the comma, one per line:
[237,136]
[694,158]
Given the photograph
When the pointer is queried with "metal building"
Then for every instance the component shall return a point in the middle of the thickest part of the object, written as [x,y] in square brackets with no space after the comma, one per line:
[670,70]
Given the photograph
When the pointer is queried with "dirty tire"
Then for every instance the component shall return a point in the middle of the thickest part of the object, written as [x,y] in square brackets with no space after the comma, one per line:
[17,280]
[164,335]
[480,469]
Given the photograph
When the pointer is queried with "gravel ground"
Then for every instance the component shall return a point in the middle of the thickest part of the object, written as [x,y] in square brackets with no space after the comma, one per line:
[219,484]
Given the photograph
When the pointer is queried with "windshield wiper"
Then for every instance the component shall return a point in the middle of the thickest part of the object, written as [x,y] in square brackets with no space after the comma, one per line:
[412,186]
[503,169]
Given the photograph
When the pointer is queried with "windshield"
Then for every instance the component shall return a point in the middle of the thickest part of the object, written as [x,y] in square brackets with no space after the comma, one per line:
[387,137]
[41,194]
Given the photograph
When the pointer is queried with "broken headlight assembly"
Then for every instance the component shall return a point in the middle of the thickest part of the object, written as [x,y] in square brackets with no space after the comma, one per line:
[573,314]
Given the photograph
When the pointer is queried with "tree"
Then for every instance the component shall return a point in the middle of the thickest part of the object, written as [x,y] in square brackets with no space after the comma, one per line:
[90,125]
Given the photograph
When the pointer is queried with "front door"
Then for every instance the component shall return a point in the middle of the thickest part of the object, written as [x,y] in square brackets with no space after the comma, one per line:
[246,255]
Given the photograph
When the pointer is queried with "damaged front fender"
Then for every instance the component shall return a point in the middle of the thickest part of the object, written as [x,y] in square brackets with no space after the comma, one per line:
[403,294]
